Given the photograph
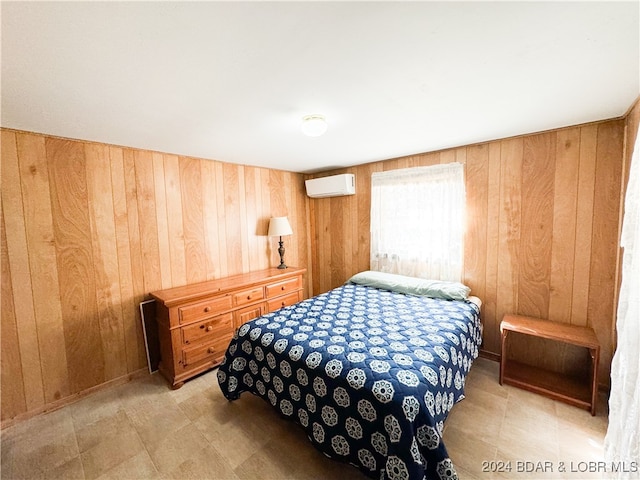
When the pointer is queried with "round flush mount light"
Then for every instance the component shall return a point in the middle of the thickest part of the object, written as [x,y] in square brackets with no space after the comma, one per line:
[313,125]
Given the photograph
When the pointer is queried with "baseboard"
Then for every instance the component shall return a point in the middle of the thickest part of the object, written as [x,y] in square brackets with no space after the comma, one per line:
[63,402]
[489,355]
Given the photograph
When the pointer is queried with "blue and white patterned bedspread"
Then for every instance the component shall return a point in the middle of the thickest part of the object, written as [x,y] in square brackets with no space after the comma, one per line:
[370,374]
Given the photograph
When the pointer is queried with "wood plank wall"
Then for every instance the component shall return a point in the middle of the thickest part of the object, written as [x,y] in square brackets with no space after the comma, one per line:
[88,230]
[632,125]
[542,231]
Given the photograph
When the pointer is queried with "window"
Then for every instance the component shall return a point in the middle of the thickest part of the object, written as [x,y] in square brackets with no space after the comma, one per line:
[417,221]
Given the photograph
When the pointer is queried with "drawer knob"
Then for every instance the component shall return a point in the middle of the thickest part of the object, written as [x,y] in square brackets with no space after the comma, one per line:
[207,309]
[210,350]
[283,287]
[248,297]
[209,328]
[283,304]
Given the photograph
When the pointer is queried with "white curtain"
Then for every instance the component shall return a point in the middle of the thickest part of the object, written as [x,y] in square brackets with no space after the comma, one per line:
[417,221]
[622,442]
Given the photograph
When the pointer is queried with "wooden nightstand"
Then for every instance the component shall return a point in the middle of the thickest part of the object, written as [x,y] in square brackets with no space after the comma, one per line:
[196,322]
[554,385]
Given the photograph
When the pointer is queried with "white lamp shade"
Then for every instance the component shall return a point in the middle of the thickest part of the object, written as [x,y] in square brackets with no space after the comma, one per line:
[314,125]
[279,226]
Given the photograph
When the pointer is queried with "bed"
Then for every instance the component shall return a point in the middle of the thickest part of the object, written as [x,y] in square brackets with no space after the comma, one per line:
[370,370]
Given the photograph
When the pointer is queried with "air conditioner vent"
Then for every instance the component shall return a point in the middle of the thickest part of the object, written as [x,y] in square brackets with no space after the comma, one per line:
[332,186]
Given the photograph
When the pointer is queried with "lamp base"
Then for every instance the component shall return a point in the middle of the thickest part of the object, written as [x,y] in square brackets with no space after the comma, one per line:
[282,265]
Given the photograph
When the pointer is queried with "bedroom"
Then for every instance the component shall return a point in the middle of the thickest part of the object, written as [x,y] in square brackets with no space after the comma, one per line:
[71,323]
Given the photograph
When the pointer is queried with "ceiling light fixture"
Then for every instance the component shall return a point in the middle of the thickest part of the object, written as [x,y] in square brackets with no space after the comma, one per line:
[313,125]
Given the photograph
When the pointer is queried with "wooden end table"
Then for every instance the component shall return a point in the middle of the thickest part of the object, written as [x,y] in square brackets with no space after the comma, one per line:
[554,385]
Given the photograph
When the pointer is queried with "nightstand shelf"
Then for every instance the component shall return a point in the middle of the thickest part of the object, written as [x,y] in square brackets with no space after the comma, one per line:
[579,392]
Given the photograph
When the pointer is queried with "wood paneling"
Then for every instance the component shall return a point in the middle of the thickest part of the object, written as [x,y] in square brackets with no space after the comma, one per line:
[128,258]
[74,253]
[565,195]
[233,190]
[88,230]
[193,220]
[107,277]
[584,224]
[538,167]
[43,269]
[19,286]
[476,186]
[490,299]
[147,220]
[605,239]
[542,231]
[174,212]
[162,219]
[509,201]
[13,396]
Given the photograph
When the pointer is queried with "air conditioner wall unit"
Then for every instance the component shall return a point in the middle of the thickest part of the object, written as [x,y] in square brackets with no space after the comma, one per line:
[332,186]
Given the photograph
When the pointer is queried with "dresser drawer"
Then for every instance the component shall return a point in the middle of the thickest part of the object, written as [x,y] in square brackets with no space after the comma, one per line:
[283,301]
[204,310]
[280,288]
[243,315]
[248,296]
[210,351]
[208,329]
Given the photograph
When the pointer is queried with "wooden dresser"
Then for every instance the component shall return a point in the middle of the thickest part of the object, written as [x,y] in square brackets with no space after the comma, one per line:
[196,322]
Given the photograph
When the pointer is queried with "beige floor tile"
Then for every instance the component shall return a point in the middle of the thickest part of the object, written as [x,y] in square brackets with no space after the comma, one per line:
[530,428]
[177,448]
[102,404]
[268,462]
[233,440]
[484,377]
[138,467]
[195,386]
[530,404]
[466,475]
[580,443]
[148,389]
[43,443]
[206,463]
[254,403]
[144,430]
[520,443]
[71,470]
[468,452]
[148,406]
[91,434]
[156,425]
[48,426]
[199,405]
[577,417]
[25,461]
[317,466]
[111,452]
[484,414]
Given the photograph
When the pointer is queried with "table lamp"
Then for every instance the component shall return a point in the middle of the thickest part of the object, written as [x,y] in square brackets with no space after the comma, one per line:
[278,227]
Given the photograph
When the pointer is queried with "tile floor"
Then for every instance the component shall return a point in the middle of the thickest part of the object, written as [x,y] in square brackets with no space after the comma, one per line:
[144,430]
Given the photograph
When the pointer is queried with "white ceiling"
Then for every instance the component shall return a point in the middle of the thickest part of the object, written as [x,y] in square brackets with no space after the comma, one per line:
[231,81]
